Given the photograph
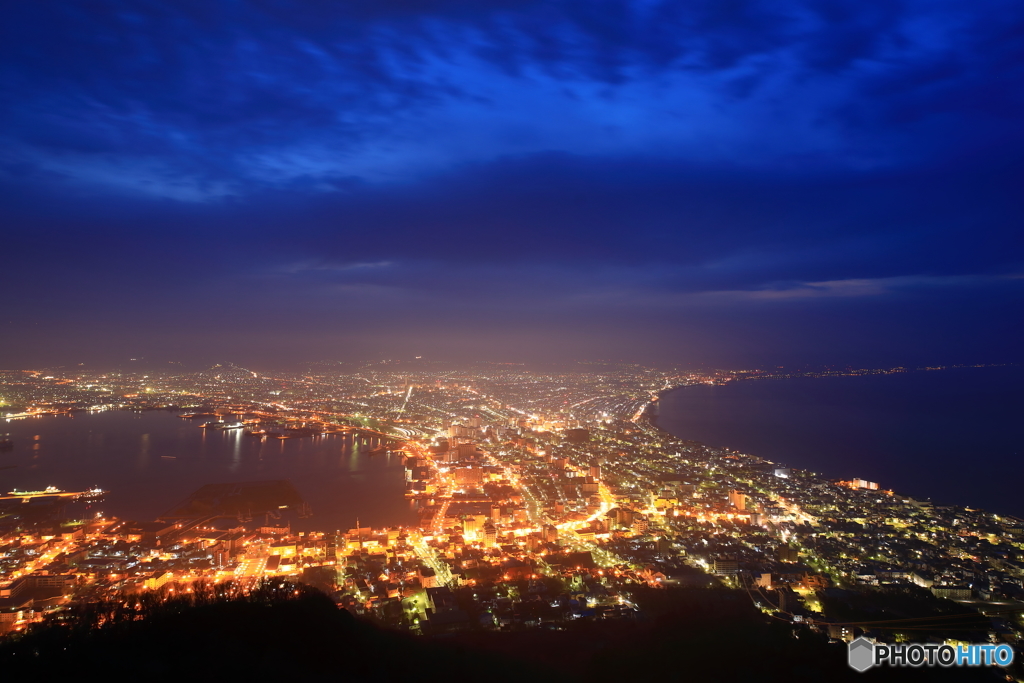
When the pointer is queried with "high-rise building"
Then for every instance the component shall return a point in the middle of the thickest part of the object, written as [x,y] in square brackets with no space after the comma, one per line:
[726,566]
[490,535]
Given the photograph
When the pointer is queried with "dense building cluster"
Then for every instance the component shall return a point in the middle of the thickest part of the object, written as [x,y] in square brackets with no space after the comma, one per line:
[544,495]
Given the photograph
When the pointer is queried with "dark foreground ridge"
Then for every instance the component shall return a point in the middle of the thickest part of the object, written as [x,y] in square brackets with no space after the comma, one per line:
[293,630]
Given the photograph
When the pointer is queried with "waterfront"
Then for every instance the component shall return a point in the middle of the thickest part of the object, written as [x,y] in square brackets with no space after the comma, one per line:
[952,435]
[151,460]
[537,474]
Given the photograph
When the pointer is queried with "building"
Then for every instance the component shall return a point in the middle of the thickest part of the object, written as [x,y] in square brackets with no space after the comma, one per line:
[726,566]
[577,435]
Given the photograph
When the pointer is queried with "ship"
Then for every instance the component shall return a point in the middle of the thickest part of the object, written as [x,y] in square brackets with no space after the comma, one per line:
[91,495]
[221,425]
[48,491]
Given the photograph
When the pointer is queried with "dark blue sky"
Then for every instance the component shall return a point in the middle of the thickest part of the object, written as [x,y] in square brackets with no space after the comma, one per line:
[722,182]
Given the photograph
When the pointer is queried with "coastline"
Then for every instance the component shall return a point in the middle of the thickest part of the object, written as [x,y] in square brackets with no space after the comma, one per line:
[919,432]
[150,460]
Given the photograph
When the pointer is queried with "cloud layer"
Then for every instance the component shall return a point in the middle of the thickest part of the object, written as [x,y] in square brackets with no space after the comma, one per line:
[701,182]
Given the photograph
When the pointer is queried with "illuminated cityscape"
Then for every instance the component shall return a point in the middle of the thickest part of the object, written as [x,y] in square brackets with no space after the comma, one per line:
[542,498]
[582,341]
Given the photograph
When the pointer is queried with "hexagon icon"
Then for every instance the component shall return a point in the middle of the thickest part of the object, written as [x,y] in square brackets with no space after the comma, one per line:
[861,654]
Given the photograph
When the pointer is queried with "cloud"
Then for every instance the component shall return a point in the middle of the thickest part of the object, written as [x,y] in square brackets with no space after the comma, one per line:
[860,287]
[692,171]
[326,268]
[192,101]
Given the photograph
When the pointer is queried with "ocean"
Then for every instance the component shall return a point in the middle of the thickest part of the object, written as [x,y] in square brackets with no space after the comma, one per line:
[955,436]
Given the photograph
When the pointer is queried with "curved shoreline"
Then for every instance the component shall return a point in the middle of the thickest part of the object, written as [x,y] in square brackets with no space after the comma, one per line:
[649,416]
[923,434]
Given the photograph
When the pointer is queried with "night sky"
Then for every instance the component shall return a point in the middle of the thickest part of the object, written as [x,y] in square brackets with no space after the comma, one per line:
[719,182]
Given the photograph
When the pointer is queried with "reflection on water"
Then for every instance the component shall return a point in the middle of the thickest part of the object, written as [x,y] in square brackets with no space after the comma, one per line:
[151,460]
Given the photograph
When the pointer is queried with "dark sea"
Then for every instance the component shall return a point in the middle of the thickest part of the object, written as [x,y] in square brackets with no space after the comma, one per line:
[955,436]
[149,461]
